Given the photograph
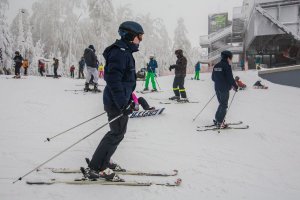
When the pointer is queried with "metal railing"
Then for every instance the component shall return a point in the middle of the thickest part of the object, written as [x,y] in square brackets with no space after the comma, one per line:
[208,39]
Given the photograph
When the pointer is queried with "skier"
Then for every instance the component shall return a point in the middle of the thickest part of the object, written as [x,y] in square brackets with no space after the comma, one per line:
[101,71]
[239,83]
[121,82]
[140,101]
[258,85]
[72,70]
[180,73]
[55,67]
[18,63]
[151,66]
[41,66]
[81,68]
[92,68]
[25,66]
[197,71]
[223,78]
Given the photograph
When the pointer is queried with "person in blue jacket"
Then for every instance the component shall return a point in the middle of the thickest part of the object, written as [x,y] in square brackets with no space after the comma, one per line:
[120,77]
[151,66]
[224,82]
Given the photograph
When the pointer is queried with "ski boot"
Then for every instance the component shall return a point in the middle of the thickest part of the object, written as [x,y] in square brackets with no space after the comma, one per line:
[110,175]
[150,108]
[96,88]
[175,98]
[90,173]
[86,88]
[154,90]
[221,125]
[115,167]
[146,89]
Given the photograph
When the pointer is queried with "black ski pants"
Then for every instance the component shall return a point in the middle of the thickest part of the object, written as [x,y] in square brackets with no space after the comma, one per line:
[222,97]
[55,71]
[178,86]
[110,141]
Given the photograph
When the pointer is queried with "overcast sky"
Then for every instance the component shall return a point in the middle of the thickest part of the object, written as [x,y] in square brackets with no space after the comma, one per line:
[194,12]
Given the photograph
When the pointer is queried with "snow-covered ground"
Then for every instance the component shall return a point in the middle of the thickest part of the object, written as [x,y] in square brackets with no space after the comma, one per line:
[262,162]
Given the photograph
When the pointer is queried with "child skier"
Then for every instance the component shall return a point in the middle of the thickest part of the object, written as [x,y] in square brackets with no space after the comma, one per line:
[258,85]
[239,83]
[151,66]
[140,101]
[197,71]
[101,71]
[72,70]
[25,65]
[18,64]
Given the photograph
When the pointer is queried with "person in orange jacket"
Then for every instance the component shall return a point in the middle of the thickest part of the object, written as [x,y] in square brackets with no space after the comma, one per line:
[25,65]
[239,83]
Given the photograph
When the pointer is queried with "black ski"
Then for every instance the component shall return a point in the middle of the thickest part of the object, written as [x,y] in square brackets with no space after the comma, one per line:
[213,125]
[221,129]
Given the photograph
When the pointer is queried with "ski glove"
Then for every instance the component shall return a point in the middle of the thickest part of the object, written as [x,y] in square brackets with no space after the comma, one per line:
[235,88]
[128,110]
[171,67]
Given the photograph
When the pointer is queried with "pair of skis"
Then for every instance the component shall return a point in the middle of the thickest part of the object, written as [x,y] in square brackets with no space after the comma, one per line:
[232,125]
[122,182]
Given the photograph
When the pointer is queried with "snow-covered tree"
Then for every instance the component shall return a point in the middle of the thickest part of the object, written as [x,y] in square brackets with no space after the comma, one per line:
[181,40]
[6,42]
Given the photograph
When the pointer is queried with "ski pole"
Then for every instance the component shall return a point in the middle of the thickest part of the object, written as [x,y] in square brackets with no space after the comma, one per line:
[204,107]
[58,154]
[50,138]
[229,105]
[157,83]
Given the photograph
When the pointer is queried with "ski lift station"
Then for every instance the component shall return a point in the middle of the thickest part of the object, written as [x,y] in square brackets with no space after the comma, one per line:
[264,31]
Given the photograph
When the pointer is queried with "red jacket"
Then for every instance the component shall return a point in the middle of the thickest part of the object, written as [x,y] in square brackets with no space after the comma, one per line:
[240,84]
[72,68]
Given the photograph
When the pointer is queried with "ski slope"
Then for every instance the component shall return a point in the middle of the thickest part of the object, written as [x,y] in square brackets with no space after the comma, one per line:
[262,162]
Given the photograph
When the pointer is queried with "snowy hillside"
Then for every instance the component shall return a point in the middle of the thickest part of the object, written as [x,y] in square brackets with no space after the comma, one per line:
[262,162]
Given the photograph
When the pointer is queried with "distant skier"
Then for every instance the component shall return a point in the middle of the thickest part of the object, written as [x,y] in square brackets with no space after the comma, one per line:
[224,81]
[25,65]
[180,73]
[239,83]
[41,66]
[81,68]
[92,68]
[151,67]
[55,67]
[120,80]
[101,71]
[258,85]
[197,70]
[18,64]
[140,101]
[72,70]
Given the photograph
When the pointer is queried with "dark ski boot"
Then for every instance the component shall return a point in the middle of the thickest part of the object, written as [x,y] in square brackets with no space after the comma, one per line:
[146,89]
[183,100]
[115,167]
[96,88]
[154,90]
[86,87]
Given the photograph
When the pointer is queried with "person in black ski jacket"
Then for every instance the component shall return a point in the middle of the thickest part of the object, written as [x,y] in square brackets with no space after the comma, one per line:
[55,67]
[180,73]
[91,61]
[18,64]
[81,68]
[120,77]
[224,82]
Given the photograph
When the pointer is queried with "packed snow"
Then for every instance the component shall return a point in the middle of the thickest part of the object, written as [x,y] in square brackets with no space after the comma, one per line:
[262,162]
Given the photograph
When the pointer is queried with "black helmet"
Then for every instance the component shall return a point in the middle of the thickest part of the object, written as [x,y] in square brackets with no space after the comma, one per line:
[179,52]
[92,47]
[226,54]
[237,78]
[17,52]
[129,29]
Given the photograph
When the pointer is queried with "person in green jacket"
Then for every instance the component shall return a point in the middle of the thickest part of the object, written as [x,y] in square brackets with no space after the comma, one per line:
[151,66]
[197,71]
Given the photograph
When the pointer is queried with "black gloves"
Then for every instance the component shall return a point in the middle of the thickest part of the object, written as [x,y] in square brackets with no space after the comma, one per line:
[128,109]
[235,88]
[171,67]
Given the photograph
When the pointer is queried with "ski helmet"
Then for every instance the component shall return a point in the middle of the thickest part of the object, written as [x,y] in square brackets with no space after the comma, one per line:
[129,30]
[17,52]
[179,52]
